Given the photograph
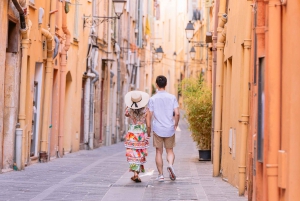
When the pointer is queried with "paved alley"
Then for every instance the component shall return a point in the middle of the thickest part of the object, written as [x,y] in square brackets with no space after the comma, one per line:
[102,174]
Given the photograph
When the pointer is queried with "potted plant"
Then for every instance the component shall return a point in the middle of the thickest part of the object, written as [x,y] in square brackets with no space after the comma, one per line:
[197,100]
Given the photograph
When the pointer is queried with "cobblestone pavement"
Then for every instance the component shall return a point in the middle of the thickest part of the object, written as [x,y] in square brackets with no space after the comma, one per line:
[102,174]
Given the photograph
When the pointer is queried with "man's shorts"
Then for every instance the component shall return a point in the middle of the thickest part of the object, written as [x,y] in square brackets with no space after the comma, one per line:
[160,142]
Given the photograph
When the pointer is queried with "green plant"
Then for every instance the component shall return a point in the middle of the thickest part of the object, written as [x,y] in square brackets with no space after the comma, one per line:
[198,104]
[153,89]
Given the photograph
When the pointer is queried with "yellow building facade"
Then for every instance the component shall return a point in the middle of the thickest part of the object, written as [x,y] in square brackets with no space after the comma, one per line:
[64,75]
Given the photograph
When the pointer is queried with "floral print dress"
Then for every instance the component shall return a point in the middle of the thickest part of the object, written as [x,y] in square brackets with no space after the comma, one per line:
[136,140]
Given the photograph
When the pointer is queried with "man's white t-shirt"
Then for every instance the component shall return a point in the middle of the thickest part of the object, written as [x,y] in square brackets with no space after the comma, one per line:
[162,104]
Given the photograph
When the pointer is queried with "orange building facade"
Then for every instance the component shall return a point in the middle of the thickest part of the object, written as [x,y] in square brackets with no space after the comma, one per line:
[274,125]
[256,98]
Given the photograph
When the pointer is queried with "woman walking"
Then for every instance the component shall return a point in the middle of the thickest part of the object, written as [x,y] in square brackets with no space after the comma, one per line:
[139,131]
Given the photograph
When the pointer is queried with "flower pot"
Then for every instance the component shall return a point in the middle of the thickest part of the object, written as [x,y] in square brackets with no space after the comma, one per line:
[204,155]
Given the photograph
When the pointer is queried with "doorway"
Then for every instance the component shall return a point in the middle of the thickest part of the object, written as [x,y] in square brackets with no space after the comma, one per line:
[38,78]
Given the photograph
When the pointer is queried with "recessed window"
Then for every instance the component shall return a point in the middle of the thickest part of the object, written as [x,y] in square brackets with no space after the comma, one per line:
[261,110]
[12,42]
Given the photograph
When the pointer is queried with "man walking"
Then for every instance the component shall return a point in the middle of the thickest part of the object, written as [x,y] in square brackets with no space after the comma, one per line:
[161,106]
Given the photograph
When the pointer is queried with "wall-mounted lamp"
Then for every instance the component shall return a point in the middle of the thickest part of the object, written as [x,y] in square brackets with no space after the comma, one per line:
[192,53]
[174,55]
[159,52]
[189,30]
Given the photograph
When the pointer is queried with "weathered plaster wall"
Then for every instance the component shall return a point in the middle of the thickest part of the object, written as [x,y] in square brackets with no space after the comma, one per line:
[11,96]
[3,34]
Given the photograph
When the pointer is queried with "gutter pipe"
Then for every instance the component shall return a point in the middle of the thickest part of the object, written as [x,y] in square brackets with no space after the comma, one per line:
[118,87]
[20,154]
[218,95]
[49,68]
[245,103]
[63,65]
[273,99]
[48,80]
[214,49]
[109,81]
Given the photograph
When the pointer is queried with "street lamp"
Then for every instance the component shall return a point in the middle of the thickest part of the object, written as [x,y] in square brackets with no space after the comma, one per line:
[189,30]
[159,52]
[119,7]
[192,53]
[174,55]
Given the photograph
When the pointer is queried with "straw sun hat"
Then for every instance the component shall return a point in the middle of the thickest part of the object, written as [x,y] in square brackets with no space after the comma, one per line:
[136,99]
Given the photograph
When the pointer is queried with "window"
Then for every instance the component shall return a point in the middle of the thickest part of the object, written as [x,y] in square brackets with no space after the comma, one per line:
[12,37]
[261,109]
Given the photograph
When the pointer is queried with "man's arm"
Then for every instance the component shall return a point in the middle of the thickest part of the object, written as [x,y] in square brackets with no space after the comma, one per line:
[177,117]
[148,123]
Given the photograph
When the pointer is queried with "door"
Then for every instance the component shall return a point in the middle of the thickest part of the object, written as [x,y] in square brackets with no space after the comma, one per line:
[34,120]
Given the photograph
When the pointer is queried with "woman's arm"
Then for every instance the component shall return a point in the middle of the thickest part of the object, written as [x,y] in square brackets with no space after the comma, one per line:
[127,112]
[148,123]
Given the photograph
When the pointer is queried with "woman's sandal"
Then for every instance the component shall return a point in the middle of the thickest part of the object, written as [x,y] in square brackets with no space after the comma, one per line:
[136,179]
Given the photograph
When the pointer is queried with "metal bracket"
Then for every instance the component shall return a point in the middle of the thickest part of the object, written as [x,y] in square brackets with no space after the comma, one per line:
[199,43]
[94,21]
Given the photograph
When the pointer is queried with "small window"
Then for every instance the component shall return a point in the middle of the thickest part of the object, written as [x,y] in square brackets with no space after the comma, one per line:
[261,110]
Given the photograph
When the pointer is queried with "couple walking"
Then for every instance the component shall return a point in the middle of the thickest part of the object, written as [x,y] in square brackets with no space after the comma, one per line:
[140,110]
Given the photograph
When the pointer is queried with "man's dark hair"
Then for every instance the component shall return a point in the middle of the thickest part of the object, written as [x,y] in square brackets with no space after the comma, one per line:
[161,81]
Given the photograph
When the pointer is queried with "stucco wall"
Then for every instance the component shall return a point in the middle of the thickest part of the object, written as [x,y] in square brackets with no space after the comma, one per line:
[11,96]
[291,97]
[3,33]
[233,70]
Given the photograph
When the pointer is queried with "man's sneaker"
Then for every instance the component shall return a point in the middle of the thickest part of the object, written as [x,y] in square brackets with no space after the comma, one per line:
[160,178]
[171,173]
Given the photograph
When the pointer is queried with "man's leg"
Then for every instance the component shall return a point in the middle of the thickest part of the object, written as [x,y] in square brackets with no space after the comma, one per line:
[169,144]
[159,160]
[158,144]
[170,156]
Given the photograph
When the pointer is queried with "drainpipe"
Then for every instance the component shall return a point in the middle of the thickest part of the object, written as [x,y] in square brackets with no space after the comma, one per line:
[214,66]
[218,94]
[273,99]
[63,66]
[94,62]
[109,81]
[48,78]
[22,102]
[209,69]
[118,87]
[128,59]
[245,103]
[111,103]
[19,133]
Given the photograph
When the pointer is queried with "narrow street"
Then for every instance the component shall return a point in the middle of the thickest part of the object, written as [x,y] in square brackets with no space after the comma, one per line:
[101,174]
